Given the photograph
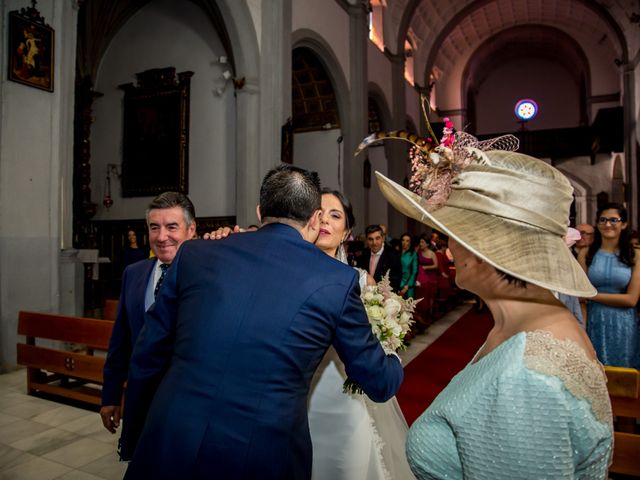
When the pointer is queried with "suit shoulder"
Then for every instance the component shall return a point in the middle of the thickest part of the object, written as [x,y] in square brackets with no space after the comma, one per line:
[336,267]
[139,268]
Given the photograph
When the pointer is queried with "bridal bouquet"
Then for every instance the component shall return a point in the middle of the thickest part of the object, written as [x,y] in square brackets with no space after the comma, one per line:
[391,317]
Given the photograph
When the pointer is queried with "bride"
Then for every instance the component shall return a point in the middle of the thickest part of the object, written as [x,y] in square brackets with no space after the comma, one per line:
[353,438]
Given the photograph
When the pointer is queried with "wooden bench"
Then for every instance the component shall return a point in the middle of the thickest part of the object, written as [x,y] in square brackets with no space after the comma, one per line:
[74,375]
[110,310]
[624,390]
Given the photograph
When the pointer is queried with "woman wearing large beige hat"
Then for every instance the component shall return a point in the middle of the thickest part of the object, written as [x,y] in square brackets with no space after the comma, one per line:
[533,402]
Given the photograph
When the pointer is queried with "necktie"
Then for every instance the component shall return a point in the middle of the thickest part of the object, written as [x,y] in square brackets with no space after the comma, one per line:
[163,271]
[373,263]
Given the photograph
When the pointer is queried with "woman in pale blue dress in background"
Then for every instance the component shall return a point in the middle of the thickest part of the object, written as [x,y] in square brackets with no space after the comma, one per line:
[533,403]
[612,321]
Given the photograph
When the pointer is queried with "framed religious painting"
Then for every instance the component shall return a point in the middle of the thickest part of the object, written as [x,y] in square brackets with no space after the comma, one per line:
[31,49]
[155,149]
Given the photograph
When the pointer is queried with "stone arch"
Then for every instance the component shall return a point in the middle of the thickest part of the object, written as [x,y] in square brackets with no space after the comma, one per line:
[325,54]
[313,41]
[583,197]
[377,94]
[99,22]
[549,43]
[617,180]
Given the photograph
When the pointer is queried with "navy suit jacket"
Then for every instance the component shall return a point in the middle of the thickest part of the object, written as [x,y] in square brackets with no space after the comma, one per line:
[126,329]
[224,362]
[389,261]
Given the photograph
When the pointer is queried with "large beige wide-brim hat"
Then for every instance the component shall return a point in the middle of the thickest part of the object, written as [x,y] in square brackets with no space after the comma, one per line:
[512,213]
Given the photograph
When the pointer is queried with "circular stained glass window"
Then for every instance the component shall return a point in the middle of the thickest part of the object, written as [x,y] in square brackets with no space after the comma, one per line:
[526,109]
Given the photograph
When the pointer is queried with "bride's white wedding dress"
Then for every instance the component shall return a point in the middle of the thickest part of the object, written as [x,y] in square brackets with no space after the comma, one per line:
[354,438]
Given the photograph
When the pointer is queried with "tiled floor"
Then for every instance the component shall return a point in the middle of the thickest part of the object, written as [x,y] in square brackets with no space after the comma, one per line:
[42,439]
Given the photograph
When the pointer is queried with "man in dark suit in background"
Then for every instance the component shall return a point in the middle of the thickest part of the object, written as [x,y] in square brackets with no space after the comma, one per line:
[378,258]
[171,220]
[223,366]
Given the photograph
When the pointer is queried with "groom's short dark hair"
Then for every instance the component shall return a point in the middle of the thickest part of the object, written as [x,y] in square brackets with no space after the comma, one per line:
[289,192]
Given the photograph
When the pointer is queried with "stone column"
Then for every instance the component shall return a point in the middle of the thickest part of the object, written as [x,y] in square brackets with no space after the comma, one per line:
[356,120]
[632,175]
[263,106]
[248,167]
[397,151]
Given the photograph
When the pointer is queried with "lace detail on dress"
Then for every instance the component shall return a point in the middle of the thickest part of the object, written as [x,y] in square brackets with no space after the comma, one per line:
[377,442]
[582,377]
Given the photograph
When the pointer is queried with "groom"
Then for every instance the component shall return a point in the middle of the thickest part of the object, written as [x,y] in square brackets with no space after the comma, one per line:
[220,374]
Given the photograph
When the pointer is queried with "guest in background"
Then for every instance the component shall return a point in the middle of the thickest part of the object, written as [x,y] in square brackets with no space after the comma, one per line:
[611,263]
[441,254]
[396,244]
[426,280]
[586,237]
[533,403]
[570,301]
[409,261]
[387,239]
[378,259]
[427,263]
[132,252]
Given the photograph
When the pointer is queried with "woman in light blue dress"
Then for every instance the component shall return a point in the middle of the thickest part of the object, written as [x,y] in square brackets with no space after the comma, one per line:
[612,321]
[533,403]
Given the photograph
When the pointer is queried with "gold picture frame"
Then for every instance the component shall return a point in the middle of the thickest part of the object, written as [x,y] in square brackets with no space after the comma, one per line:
[31,49]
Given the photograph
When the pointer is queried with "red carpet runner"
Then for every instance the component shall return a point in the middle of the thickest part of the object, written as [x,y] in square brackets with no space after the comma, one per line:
[431,371]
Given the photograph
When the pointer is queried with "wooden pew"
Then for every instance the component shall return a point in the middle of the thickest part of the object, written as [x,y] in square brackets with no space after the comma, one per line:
[624,390]
[110,310]
[74,375]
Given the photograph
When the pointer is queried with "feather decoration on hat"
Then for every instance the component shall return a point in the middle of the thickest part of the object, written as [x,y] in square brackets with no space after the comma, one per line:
[424,144]
[435,165]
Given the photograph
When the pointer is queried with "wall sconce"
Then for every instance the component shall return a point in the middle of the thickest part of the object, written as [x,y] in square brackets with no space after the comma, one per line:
[112,169]
[227,76]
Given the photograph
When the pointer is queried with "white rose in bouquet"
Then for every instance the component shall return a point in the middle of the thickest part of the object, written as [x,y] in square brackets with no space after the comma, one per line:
[376,312]
[392,307]
[367,296]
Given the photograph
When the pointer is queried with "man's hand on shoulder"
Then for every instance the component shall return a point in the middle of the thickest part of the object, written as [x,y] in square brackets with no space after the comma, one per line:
[222,232]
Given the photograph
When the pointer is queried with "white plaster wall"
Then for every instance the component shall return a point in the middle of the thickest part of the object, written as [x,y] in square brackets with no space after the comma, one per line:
[328,20]
[318,151]
[548,83]
[379,71]
[36,138]
[165,34]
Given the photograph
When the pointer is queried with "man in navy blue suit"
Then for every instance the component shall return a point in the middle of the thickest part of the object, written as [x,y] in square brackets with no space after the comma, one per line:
[171,221]
[220,374]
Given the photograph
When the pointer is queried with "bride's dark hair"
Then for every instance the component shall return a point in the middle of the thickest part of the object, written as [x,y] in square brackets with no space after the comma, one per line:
[346,206]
